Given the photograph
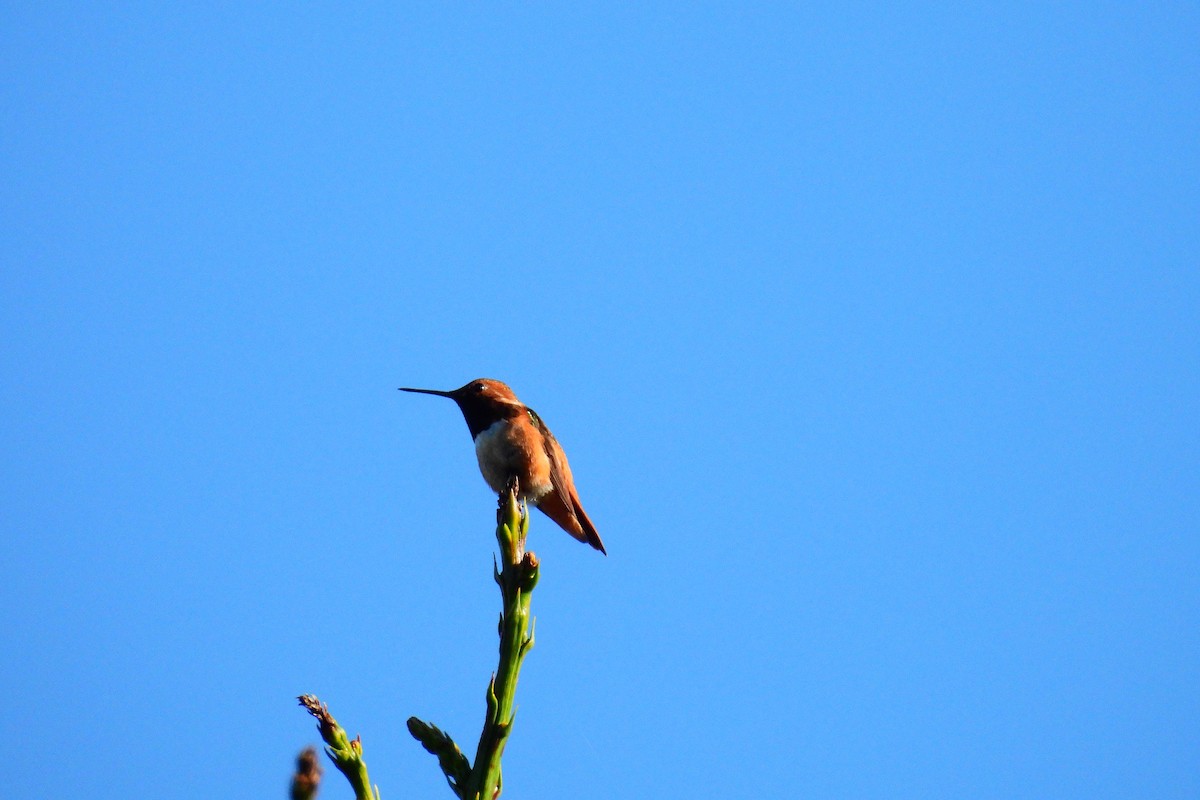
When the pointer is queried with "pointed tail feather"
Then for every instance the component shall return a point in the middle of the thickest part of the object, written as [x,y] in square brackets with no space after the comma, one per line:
[589,530]
[572,519]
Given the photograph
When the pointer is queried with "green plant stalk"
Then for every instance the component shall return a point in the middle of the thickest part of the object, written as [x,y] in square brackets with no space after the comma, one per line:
[517,579]
[346,753]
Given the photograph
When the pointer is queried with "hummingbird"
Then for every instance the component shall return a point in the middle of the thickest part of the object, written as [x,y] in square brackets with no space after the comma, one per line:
[511,440]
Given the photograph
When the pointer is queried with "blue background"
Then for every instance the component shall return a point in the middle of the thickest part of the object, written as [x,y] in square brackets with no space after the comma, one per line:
[872,335]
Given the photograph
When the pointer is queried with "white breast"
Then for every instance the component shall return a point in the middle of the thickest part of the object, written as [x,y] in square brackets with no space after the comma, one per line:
[500,455]
[491,450]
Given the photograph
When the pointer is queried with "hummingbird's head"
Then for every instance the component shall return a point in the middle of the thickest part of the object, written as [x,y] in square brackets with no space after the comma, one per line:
[482,402]
[485,390]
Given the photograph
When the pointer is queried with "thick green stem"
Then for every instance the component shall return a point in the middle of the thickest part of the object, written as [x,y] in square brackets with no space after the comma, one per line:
[516,578]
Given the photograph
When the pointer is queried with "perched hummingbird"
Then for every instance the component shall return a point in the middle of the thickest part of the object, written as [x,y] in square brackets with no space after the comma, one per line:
[511,440]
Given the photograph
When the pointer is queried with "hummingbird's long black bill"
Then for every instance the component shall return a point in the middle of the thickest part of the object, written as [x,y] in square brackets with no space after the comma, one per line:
[428,391]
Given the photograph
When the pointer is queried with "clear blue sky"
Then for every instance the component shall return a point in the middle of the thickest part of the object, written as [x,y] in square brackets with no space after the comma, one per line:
[872,336]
